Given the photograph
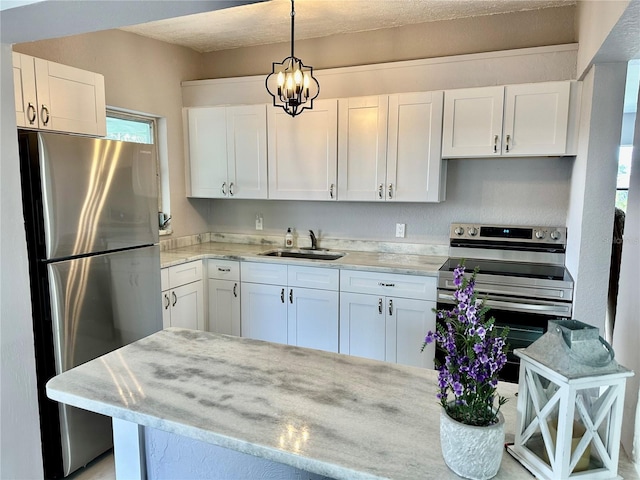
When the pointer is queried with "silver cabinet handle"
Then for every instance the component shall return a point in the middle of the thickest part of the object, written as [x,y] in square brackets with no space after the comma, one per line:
[231,189]
[380,284]
[331,190]
[31,113]
[291,296]
[380,189]
[508,140]
[235,290]
[380,306]
[495,144]
[282,296]
[391,190]
[390,307]
[224,188]
[175,299]
[220,269]
[44,114]
[166,297]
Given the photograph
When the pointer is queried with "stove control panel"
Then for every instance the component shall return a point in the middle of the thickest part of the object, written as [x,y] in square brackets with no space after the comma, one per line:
[508,233]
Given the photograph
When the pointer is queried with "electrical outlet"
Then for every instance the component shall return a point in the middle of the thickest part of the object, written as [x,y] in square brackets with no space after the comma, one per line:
[258,221]
[400,230]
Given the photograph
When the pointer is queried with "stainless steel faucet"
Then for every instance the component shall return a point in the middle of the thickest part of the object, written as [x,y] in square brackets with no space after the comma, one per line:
[314,240]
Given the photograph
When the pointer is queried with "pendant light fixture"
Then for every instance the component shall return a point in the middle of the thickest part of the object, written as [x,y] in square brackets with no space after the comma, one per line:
[291,82]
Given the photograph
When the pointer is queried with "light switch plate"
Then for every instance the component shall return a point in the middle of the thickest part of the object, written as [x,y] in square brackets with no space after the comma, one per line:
[258,221]
[400,230]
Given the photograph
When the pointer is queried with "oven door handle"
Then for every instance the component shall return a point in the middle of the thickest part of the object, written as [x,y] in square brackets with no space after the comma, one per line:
[513,305]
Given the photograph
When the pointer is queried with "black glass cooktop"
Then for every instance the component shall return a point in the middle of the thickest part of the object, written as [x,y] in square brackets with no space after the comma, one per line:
[510,269]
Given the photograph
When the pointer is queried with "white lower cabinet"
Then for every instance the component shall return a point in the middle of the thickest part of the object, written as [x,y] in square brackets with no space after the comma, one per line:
[183,296]
[223,283]
[290,304]
[386,316]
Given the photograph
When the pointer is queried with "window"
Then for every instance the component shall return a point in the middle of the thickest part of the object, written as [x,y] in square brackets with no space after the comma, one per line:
[624,175]
[141,128]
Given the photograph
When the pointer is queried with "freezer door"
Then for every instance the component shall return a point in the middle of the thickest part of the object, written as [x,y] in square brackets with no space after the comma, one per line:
[97,194]
[98,304]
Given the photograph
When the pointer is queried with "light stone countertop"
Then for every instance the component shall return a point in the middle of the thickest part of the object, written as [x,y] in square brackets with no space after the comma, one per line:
[400,263]
[362,418]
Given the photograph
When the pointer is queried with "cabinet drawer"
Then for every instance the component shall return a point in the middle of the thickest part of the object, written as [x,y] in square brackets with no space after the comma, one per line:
[313,277]
[269,273]
[223,269]
[185,273]
[397,285]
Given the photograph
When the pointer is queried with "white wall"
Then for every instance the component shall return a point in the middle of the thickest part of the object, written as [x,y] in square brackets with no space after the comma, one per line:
[20,455]
[593,184]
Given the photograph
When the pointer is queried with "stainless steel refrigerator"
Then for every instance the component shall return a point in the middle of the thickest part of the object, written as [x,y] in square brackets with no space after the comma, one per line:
[91,218]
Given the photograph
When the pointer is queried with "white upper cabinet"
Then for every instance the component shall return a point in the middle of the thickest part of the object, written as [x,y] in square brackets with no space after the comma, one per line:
[303,153]
[516,120]
[362,148]
[414,165]
[389,148]
[51,96]
[228,152]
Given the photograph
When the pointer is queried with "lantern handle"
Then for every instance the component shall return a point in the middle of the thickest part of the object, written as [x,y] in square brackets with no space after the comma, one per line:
[590,362]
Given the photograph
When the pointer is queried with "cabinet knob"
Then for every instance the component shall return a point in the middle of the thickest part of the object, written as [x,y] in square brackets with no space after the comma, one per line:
[380,306]
[224,188]
[231,189]
[235,290]
[390,307]
[168,302]
[495,144]
[175,299]
[31,113]
[391,190]
[44,115]
[508,141]
[331,190]
[291,296]
[380,190]
[282,296]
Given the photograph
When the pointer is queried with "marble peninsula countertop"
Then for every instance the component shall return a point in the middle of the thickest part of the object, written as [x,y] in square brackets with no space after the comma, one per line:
[383,261]
[360,418]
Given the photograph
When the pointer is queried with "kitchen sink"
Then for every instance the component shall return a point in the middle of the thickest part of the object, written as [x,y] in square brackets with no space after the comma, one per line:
[304,254]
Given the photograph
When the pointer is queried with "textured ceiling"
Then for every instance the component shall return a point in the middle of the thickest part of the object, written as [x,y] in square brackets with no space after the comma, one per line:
[269,22]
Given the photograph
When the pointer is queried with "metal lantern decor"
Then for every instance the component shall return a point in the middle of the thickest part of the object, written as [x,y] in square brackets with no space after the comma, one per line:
[291,83]
[570,401]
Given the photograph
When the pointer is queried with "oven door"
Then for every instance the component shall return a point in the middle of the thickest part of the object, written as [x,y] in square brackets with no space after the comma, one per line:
[526,318]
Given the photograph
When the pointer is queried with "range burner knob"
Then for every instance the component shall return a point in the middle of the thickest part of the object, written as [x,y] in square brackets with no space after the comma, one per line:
[473,231]
[459,231]
[556,235]
[540,234]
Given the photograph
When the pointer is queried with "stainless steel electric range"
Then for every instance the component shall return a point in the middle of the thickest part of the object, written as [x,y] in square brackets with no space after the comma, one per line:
[521,275]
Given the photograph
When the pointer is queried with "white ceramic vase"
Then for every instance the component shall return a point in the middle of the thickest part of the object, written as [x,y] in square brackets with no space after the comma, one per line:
[472,452]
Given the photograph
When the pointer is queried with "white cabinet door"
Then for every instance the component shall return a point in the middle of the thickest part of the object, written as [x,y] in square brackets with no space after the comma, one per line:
[207,152]
[227,152]
[535,119]
[264,312]
[302,155]
[362,148]
[24,82]
[187,306]
[472,125]
[362,325]
[414,163]
[247,151]
[70,99]
[412,320]
[51,96]
[224,307]
[313,318]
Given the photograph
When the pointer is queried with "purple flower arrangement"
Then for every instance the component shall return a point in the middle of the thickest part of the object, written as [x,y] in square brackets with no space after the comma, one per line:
[475,352]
